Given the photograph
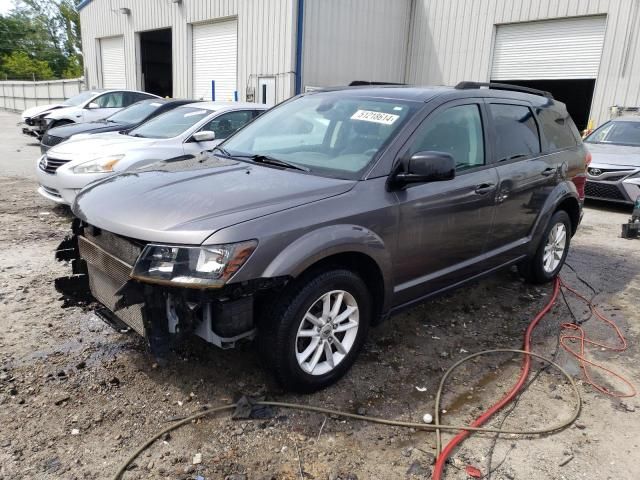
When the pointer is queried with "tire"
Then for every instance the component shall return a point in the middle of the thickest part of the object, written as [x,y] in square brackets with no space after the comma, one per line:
[289,341]
[542,268]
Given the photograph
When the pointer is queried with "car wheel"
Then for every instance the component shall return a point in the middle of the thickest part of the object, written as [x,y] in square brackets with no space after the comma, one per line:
[552,251]
[315,330]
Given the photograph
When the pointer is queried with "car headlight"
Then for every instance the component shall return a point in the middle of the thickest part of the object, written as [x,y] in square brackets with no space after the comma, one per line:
[98,165]
[197,267]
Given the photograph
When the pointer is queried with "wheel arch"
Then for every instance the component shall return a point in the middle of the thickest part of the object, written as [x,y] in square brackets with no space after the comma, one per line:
[342,246]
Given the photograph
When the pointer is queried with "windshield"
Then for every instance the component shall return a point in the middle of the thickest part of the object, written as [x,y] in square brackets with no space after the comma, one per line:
[329,134]
[172,123]
[617,133]
[79,99]
[136,112]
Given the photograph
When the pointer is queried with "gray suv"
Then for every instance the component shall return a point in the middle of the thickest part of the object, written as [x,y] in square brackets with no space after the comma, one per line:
[328,214]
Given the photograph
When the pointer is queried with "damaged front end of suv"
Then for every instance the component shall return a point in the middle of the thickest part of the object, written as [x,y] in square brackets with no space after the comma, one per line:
[164,293]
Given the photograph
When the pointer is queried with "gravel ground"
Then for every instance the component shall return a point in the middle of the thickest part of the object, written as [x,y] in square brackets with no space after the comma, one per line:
[77,397]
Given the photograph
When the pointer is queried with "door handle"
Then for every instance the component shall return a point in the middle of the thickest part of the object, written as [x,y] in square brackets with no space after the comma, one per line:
[484,188]
[548,172]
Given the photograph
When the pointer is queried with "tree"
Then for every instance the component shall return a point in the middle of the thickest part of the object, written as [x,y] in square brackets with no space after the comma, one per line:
[46,30]
[21,65]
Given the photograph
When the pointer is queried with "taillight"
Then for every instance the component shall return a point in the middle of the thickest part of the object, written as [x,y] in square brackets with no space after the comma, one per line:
[580,179]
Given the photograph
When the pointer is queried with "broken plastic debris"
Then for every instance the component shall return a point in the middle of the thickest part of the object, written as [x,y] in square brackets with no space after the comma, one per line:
[462,350]
[197,458]
[421,389]
[75,431]
[473,472]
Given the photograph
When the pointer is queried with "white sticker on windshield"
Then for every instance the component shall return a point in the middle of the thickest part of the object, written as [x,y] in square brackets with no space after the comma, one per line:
[375,117]
[198,112]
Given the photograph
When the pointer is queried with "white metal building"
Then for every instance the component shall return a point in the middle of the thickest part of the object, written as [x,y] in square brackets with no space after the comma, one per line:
[586,52]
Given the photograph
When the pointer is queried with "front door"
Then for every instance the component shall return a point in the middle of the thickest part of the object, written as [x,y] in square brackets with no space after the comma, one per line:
[107,104]
[444,225]
[526,176]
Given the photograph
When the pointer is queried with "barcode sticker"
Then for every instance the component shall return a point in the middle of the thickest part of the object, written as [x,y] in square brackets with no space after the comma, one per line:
[375,117]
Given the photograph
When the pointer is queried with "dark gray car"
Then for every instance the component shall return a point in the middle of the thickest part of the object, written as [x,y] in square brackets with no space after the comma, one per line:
[329,213]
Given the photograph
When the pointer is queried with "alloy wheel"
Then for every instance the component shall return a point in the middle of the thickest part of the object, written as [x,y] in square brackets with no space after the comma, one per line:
[555,247]
[327,332]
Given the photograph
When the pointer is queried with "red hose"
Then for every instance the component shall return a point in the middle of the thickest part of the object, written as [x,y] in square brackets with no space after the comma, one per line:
[524,373]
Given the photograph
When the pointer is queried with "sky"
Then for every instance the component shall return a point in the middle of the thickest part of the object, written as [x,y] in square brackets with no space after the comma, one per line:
[5,6]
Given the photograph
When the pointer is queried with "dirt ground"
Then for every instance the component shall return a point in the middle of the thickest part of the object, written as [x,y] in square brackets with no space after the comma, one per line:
[76,397]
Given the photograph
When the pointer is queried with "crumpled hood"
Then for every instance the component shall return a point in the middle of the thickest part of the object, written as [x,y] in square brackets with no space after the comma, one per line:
[35,111]
[186,201]
[100,144]
[616,155]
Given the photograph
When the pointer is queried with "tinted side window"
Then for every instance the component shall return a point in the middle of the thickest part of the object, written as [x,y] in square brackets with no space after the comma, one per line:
[516,131]
[111,100]
[557,128]
[227,124]
[456,131]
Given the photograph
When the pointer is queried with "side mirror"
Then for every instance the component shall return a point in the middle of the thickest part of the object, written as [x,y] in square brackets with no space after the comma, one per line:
[204,136]
[425,167]
[93,105]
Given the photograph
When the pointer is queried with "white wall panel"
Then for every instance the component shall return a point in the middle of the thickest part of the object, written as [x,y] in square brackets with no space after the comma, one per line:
[346,40]
[453,40]
[266,37]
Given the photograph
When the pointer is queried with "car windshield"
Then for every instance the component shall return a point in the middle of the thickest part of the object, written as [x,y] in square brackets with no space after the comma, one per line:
[617,133]
[172,123]
[136,112]
[79,99]
[329,134]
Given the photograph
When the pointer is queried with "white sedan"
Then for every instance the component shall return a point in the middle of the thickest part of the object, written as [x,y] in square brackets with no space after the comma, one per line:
[88,106]
[190,129]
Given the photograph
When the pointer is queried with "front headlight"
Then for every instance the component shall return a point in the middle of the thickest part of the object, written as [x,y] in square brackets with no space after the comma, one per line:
[98,165]
[199,267]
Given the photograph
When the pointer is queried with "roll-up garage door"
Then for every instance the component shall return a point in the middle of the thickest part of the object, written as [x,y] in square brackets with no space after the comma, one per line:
[215,60]
[112,52]
[551,49]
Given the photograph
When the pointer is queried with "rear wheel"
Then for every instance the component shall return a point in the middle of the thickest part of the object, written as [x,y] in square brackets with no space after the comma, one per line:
[552,252]
[316,329]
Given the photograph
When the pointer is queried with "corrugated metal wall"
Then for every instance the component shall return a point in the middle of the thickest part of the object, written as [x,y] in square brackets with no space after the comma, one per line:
[346,40]
[452,40]
[266,37]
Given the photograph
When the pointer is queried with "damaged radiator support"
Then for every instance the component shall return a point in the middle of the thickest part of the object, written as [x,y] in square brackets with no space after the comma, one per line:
[101,264]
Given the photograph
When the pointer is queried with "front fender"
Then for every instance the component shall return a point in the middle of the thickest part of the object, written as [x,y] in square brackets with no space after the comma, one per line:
[332,240]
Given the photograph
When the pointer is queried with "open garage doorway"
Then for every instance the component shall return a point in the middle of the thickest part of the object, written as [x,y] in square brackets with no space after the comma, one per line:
[156,62]
[576,94]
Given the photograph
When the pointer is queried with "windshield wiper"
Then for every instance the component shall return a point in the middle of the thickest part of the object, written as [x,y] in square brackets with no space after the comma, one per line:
[137,135]
[276,161]
[222,151]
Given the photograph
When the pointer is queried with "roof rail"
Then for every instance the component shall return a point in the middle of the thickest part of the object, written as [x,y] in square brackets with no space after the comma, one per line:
[502,86]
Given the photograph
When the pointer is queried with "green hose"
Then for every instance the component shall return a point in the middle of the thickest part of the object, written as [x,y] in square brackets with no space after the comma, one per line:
[422,426]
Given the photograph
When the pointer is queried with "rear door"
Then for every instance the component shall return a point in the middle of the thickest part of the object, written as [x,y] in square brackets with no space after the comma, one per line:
[526,175]
[445,225]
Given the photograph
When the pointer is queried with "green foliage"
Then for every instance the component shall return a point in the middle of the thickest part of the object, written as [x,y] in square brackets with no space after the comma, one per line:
[21,65]
[45,31]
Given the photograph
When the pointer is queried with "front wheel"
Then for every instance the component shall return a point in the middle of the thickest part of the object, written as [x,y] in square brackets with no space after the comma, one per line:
[316,329]
[552,252]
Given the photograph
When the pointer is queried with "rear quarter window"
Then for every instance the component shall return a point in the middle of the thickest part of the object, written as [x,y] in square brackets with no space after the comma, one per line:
[558,129]
[516,131]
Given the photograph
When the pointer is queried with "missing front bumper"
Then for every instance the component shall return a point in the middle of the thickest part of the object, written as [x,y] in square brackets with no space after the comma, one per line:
[161,314]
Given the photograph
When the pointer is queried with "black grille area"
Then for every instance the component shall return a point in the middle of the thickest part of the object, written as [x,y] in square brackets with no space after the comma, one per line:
[605,191]
[51,140]
[614,178]
[50,165]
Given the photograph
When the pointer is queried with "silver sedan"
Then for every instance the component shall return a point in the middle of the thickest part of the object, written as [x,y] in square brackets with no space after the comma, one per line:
[614,173]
